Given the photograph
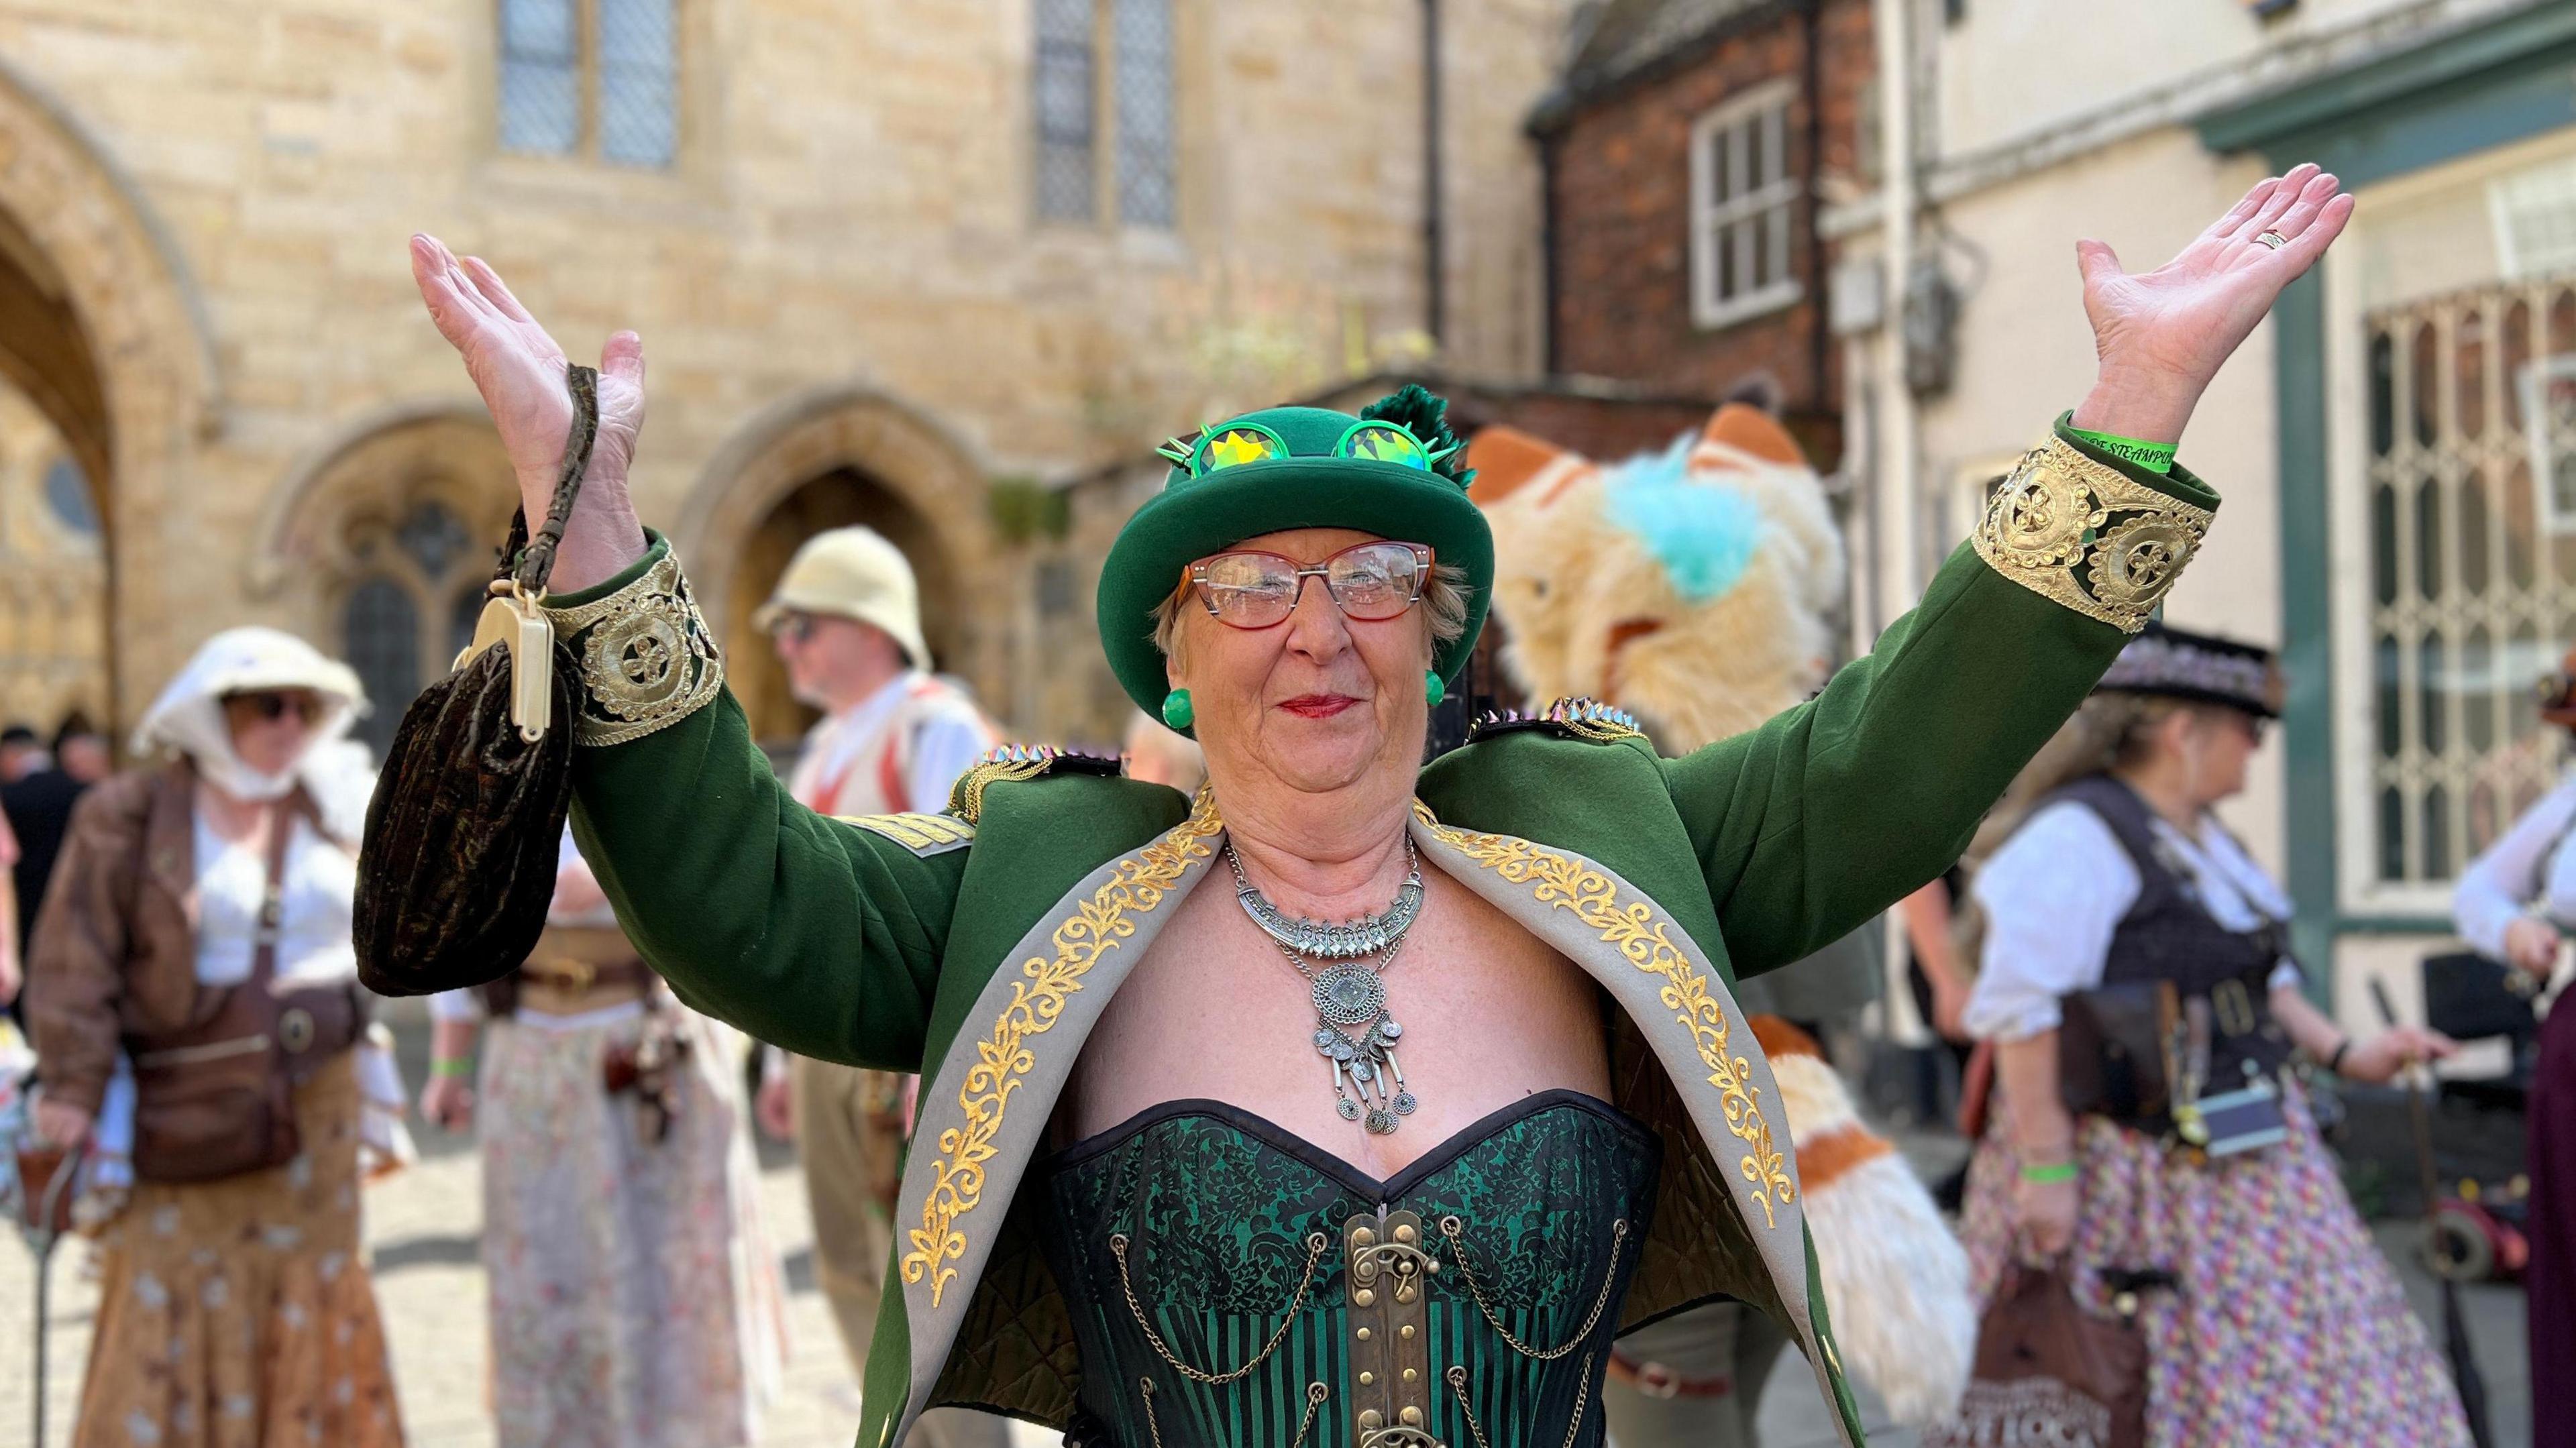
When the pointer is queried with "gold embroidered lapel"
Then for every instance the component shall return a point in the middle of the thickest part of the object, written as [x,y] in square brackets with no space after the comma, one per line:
[1070,963]
[1658,975]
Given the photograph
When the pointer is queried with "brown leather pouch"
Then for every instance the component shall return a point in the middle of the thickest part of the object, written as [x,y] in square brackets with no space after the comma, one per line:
[217,1110]
[2112,1044]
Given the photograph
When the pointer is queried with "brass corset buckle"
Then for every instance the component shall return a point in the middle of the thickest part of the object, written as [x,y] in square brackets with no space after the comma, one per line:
[1387,1272]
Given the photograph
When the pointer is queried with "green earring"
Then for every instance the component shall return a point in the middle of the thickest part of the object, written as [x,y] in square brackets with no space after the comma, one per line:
[1432,688]
[1176,709]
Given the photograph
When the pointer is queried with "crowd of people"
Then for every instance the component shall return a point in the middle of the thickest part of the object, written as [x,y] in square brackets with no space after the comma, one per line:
[1090,1147]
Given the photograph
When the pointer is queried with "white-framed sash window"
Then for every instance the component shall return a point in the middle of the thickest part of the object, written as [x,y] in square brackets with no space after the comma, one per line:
[1744,201]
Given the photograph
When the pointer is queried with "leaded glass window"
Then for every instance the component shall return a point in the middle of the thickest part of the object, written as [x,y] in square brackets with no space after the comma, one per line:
[1144,34]
[2471,515]
[591,78]
[1096,63]
[1062,101]
[540,91]
[638,82]
[382,626]
[67,497]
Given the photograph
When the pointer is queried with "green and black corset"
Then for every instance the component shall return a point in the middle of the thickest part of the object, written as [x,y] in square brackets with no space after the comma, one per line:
[1234,1285]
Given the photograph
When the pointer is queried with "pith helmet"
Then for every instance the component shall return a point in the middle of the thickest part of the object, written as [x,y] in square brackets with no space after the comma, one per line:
[852,573]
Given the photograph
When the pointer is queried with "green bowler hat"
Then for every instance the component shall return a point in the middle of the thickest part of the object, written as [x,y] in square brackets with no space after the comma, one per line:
[1394,470]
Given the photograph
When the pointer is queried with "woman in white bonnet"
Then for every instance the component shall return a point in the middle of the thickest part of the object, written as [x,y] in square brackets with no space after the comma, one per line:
[235,1304]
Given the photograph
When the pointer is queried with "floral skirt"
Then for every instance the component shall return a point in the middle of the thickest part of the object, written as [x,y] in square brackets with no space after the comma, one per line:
[636,1300]
[2286,1326]
[239,1313]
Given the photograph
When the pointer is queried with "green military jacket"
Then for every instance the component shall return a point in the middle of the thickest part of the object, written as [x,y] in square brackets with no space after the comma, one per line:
[979,946]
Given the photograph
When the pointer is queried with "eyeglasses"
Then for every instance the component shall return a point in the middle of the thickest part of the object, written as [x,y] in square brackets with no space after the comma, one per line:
[1371,582]
[795,628]
[1239,443]
[274,704]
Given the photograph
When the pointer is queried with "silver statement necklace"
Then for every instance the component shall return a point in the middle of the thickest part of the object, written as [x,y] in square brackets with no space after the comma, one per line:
[1353,1028]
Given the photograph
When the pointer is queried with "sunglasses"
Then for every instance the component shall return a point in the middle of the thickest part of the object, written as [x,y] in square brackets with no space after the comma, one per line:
[1371,582]
[1237,444]
[272,705]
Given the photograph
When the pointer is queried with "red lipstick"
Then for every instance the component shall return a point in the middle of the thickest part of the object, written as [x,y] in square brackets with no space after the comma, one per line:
[1318,706]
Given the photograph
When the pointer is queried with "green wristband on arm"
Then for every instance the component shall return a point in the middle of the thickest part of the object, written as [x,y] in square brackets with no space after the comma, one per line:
[2049,1175]
[2155,457]
[452,1066]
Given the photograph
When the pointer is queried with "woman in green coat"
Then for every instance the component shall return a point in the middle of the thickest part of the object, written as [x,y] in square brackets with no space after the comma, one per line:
[1194,1168]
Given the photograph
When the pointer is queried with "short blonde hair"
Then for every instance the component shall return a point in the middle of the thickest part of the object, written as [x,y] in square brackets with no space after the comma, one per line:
[1444,607]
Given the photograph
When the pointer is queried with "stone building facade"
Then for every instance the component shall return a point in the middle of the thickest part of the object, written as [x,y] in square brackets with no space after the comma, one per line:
[889,261]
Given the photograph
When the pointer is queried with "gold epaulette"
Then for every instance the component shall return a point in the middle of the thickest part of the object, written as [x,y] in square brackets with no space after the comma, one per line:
[1017,762]
[1566,719]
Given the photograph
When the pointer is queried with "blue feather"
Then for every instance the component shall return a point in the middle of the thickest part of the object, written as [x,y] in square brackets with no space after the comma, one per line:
[1704,534]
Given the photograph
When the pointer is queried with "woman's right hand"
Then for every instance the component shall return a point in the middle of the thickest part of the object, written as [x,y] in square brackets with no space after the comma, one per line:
[447,1102]
[519,370]
[2045,1213]
[2532,945]
[61,1123]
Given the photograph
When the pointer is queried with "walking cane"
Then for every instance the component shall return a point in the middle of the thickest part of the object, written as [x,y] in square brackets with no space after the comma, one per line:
[2465,1377]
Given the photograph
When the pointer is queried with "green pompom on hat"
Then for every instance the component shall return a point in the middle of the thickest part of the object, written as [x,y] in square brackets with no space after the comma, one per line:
[1310,488]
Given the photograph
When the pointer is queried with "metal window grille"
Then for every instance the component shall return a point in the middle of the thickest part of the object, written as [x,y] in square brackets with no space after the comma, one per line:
[1743,199]
[1062,99]
[2471,484]
[540,83]
[381,627]
[638,82]
[1144,81]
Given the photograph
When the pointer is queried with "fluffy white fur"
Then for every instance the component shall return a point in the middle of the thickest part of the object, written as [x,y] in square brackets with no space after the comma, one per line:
[1578,591]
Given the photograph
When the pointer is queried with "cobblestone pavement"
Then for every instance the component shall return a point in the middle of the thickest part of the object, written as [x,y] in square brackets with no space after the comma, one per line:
[424,1227]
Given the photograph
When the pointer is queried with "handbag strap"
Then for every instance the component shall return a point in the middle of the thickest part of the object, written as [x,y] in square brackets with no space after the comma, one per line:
[535,562]
[272,901]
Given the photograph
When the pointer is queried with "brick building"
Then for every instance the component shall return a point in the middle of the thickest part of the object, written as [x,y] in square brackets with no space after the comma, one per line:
[1685,153]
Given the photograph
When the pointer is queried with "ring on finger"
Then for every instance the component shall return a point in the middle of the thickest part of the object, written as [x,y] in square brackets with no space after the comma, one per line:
[2272,239]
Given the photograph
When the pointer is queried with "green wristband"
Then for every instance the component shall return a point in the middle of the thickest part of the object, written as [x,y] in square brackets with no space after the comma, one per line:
[2050,1175]
[2155,457]
[452,1066]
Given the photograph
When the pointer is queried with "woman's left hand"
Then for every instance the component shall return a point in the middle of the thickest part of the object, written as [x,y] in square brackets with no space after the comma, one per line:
[2162,335]
[2382,1056]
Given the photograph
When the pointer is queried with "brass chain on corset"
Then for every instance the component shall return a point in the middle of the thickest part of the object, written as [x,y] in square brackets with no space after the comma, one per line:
[1316,1243]
[1455,1230]
[1457,1376]
[1315,1395]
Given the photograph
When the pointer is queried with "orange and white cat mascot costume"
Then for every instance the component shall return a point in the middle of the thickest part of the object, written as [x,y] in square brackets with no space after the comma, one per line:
[1691,587]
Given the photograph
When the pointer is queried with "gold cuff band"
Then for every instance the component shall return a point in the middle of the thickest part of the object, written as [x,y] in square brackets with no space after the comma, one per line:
[647,659]
[2086,535]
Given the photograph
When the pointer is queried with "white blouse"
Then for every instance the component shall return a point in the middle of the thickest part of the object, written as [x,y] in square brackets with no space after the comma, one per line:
[2055,893]
[2530,865]
[313,942]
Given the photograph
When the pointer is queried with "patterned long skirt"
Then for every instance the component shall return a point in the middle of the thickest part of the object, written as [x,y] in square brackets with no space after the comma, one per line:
[2286,1327]
[636,1300]
[239,1313]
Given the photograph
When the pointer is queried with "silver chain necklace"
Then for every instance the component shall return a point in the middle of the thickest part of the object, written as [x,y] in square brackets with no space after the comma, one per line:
[1354,1030]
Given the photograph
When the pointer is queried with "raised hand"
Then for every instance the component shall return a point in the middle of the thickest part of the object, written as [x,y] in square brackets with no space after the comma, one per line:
[2162,335]
[519,370]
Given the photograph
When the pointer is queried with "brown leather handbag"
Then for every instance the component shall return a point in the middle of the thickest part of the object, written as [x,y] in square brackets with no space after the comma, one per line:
[458,865]
[217,1099]
[2047,1371]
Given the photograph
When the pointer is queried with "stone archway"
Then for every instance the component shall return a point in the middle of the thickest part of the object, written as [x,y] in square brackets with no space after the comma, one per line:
[834,456]
[101,329]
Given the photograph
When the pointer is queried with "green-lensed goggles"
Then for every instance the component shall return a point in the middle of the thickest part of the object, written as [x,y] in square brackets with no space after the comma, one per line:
[1238,443]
